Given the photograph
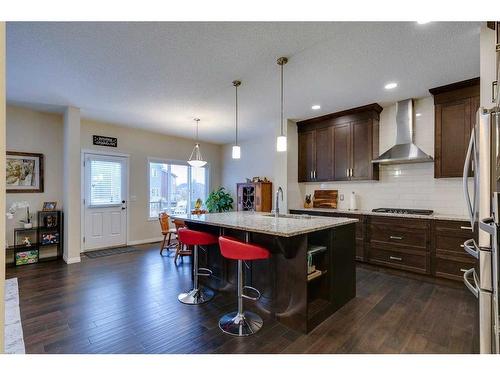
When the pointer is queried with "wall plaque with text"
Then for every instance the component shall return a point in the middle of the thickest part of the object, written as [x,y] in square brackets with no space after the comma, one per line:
[100,140]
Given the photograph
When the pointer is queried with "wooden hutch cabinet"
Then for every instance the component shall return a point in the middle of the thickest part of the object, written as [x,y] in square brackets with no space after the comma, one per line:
[455,108]
[339,146]
[255,196]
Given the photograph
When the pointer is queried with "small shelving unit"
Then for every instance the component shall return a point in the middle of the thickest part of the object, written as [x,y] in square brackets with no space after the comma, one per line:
[45,240]
[319,277]
[25,247]
[50,235]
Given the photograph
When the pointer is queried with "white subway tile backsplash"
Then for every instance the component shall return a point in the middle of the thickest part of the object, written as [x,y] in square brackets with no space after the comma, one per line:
[414,187]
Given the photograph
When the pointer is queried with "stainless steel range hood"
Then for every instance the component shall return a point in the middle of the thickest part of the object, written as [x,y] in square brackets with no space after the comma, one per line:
[404,151]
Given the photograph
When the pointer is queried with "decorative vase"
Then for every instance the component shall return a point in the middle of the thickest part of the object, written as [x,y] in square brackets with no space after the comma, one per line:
[28,225]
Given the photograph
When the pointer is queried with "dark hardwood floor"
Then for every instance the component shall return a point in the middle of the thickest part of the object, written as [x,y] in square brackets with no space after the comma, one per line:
[128,304]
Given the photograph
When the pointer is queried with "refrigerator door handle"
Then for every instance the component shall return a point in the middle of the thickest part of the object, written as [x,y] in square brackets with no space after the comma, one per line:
[488,225]
[471,248]
[473,288]
[471,206]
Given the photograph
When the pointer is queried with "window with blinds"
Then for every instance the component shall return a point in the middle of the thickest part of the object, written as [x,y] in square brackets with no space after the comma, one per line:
[105,182]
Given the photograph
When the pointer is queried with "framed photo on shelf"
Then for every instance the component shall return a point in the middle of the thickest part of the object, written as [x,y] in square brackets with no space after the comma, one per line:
[49,206]
[24,172]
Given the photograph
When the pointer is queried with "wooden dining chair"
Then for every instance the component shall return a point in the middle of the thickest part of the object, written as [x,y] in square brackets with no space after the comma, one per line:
[181,249]
[166,231]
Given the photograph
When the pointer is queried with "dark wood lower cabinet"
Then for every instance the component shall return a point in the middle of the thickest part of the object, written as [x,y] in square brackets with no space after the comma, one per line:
[450,259]
[424,246]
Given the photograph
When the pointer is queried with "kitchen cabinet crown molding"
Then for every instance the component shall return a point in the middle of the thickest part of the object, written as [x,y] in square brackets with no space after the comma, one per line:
[456,91]
[354,114]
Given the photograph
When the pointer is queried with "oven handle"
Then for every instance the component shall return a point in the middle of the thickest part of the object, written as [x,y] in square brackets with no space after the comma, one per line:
[473,288]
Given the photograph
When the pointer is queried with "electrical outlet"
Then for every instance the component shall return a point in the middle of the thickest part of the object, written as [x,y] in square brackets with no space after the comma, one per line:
[341,197]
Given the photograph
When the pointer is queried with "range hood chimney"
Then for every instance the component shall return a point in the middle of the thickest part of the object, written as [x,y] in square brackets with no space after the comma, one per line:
[404,151]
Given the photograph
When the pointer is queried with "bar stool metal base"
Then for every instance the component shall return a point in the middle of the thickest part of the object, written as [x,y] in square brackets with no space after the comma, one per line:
[196,296]
[236,324]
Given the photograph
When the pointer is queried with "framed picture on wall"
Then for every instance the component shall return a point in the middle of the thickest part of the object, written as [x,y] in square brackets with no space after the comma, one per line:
[24,172]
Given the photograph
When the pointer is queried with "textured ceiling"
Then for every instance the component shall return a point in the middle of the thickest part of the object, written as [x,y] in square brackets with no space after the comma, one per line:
[158,76]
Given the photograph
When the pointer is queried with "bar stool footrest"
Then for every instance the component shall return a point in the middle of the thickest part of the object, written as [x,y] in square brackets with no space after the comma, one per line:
[204,272]
[253,290]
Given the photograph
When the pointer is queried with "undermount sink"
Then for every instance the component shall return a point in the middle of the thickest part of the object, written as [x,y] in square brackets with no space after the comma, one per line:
[289,216]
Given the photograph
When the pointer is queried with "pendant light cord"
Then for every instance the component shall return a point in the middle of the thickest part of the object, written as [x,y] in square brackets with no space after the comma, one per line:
[281,120]
[197,123]
[236,116]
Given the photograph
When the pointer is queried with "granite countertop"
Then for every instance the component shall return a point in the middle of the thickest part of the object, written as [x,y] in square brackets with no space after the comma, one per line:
[434,216]
[263,223]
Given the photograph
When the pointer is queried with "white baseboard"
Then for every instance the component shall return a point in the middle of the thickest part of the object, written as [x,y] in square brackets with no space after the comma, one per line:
[147,240]
[72,260]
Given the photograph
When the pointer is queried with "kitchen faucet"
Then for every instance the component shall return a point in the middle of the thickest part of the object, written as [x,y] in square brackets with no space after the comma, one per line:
[277,206]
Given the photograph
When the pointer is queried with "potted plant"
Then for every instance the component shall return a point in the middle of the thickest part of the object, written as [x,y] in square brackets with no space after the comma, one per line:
[219,201]
[27,221]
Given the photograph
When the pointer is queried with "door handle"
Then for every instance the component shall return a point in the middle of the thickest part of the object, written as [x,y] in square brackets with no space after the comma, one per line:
[395,258]
[466,228]
[494,86]
[470,207]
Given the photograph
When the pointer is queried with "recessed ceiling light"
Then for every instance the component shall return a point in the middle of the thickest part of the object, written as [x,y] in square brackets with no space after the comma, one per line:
[391,85]
[422,22]
[418,114]
[316,106]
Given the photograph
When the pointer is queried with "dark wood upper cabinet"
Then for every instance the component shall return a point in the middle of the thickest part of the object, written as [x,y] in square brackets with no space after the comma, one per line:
[306,155]
[339,146]
[341,152]
[455,108]
[323,170]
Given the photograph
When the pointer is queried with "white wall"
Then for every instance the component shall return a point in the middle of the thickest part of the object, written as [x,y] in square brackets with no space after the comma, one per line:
[404,185]
[140,145]
[33,131]
[259,158]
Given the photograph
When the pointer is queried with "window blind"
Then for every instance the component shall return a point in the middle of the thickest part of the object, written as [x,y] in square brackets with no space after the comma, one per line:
[105,182]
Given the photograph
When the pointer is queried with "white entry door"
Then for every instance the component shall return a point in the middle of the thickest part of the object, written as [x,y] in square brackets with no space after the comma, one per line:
[105,201]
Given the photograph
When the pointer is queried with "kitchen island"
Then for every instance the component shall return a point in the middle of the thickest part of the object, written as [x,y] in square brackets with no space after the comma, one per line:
[298,243]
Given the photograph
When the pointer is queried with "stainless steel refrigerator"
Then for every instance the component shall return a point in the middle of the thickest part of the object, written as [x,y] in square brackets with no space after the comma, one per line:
[483,203]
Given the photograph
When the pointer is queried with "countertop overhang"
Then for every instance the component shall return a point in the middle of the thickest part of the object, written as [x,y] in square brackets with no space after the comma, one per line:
[266,224]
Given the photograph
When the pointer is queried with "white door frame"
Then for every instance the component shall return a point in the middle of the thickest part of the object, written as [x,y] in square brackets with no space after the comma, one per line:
[87,151]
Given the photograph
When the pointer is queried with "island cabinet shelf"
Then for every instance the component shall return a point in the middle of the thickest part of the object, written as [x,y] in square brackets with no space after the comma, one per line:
[287,294]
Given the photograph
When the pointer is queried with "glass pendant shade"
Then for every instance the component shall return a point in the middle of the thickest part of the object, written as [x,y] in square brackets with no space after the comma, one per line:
[236,152]
[196,160]
[281,143]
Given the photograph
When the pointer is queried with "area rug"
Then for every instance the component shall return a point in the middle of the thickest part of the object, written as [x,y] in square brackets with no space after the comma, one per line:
[14,342]
[108,252]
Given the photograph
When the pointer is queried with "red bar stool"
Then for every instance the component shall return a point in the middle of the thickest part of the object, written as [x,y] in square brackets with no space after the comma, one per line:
[241,323]
[195,238]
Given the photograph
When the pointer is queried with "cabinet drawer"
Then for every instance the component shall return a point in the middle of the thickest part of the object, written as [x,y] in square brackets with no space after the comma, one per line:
[401,260]
[451,268]
[399,235]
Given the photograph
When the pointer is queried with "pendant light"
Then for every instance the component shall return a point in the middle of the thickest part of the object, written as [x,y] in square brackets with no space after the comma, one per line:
[196,160]
[236,152]
[281,140]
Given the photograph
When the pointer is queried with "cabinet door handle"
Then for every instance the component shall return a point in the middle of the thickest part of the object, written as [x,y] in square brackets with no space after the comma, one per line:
[352,172]
[395,258]
[494,85]
[466,228]
[311,174]
[395,237]
[347,172]
[315,174]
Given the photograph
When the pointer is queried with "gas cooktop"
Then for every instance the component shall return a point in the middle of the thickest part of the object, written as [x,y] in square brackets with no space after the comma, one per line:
[408,211]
